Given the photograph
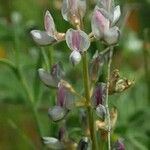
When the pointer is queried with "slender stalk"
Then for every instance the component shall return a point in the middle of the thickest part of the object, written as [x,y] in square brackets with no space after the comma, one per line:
[30,98]
[87,96]
[107,102]
[50,53]
[146,62]
[46,59]
[23,81]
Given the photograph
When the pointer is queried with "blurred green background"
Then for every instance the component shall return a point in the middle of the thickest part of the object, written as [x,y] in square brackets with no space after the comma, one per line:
[17,125]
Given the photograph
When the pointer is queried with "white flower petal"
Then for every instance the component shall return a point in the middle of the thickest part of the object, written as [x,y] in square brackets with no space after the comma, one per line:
[53,143]
[41,37]
[82,7]
[112,36]
[116,15]
[65,9]
[106,4]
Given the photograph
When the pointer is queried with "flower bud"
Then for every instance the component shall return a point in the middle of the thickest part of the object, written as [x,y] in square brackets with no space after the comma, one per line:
[75,57]
[57,113]
[53,78]
[99,94]
[77,40]
[101,112]
[96,66]
[100,23]
[47,79]
[83,144]
[119,145]
[73,11]
[112,35]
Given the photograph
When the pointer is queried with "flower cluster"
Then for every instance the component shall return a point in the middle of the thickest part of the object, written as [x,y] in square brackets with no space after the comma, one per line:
[103,24]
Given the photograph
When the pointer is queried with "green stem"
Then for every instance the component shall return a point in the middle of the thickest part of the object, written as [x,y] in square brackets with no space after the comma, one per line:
[30,98]
[107,100]
[88,101]
[46,59]
[50,50]
[146,62]
[8,63]
[23,81]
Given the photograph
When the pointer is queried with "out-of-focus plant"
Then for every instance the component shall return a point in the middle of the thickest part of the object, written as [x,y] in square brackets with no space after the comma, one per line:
[95,100]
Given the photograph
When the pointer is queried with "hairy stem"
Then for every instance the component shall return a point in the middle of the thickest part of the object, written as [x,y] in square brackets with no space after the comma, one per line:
[87,96]
[107,101]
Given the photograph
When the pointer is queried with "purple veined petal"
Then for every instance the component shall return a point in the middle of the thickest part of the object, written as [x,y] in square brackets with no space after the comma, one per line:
[47,78]
[96,66]
[61,95]
[53,143]
[65,97]
[99,23]
[77,40]
[41,37]
[112,36]
[116,15]
[57,113]
[49,24]
[99,95]
[75,57]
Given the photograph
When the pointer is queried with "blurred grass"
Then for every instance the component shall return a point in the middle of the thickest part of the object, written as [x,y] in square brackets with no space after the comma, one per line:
[133,105]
